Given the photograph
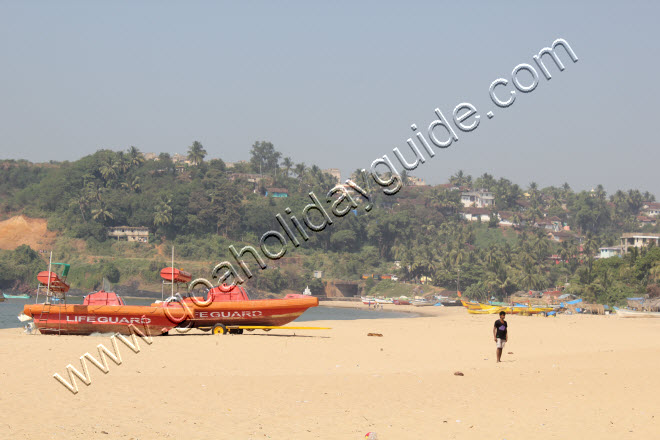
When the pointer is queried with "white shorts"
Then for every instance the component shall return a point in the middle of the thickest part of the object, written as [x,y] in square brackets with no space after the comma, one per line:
[501,342]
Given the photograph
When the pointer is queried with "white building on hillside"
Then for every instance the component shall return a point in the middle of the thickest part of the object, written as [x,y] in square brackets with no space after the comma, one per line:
[477,199]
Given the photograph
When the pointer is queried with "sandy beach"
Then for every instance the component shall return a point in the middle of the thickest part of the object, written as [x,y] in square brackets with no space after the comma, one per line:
[567,377]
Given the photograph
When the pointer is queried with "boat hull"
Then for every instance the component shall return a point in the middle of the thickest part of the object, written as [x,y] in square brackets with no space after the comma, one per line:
[15,296]
[161,317]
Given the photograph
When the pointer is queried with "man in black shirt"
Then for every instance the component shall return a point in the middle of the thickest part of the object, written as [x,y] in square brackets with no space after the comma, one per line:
[500,334]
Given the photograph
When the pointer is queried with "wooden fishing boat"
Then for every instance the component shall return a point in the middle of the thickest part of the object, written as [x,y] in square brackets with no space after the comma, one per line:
[472,305]
[626,313]
[486,310]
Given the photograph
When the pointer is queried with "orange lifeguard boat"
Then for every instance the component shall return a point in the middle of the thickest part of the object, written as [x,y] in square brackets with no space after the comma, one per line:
[224,306]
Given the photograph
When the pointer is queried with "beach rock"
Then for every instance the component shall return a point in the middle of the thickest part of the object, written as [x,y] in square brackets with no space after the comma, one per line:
[375,334]
[458,373]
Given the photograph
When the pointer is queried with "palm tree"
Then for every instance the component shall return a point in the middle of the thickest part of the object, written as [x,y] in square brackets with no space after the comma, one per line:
[108,170]
[123,163]
[136,158]
[499,278]
[287,163]
[102,212]
[529,277]
[134,185]
[196,153]
[460,179]
[82,201]
[163,212]
[300,170]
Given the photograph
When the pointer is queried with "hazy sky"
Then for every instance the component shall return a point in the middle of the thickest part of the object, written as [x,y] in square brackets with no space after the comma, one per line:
[336,83]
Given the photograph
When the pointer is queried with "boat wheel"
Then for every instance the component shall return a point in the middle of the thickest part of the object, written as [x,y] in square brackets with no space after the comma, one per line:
[236,331]
[219,329]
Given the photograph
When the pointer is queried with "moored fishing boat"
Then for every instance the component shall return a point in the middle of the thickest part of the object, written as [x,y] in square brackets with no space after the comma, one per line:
[23,296]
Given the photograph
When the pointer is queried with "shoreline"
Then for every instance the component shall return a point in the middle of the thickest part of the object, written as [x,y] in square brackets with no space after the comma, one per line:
[422,311]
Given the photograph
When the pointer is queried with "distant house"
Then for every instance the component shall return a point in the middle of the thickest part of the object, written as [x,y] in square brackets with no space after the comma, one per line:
[611,251]
[150,156]
[180,158]
[318,274]
[250,177]
[651,209]
[416,181]
[638,240]
[551,223]
[233,164]
[334,172]
[131,233]
[555,258]
[506,219]
[552,295]
[476,214]
[277,192]
[562,236]
[477,199]
[644,220]
[523,204]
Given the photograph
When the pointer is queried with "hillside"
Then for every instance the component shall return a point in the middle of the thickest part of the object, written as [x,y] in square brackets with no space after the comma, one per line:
[488,236]
[19,230]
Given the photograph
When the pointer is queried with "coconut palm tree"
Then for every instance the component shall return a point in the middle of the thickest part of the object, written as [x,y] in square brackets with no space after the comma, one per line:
[499,278]
[163,212]
[287,163]
[136,158]
[102,213]
[300,169]
[108,170]
[133,185]
[196,153]
[123,163]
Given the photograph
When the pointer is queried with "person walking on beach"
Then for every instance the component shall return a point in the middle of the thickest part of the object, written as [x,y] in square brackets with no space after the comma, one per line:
[500,334]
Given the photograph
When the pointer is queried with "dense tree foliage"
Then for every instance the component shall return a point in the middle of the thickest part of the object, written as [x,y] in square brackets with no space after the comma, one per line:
[204,206]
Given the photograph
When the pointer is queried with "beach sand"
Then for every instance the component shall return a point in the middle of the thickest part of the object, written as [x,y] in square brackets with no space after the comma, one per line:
[568,377]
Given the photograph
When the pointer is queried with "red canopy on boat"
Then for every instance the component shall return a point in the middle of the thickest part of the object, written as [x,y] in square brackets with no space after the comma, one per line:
[103,298]
[56,283]
[176,275]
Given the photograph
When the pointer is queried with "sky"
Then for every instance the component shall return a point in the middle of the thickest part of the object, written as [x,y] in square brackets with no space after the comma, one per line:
[337,84]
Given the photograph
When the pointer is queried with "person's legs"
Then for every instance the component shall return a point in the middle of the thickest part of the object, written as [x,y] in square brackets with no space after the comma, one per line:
[499,354]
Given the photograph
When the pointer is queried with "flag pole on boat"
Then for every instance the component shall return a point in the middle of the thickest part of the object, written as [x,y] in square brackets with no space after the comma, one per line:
[172,272]
[50,265]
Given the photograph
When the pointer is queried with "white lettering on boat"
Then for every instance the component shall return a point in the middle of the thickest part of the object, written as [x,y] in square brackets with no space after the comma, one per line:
[229,314]
[109,319]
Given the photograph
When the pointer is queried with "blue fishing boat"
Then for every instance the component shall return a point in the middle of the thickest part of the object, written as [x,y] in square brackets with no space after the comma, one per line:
[24,296]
